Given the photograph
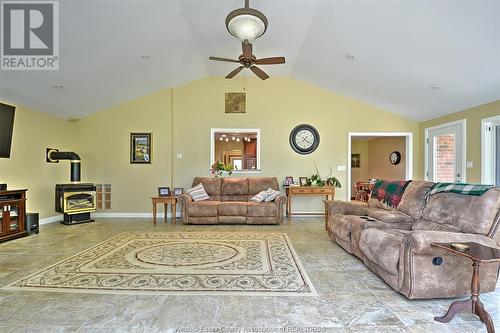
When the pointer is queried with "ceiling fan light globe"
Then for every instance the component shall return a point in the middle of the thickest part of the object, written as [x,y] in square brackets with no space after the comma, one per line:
[246,24]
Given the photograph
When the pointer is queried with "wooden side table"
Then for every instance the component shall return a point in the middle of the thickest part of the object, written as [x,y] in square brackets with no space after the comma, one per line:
[291,191]
[165,201]
[478,254]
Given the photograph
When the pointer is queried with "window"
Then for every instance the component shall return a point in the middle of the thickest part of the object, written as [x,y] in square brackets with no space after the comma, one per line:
[239,147]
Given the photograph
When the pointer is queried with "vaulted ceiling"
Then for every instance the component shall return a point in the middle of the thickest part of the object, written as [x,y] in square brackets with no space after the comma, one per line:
[400,48]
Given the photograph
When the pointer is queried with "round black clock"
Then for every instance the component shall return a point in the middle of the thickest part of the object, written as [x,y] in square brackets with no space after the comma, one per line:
[304,139]
[395,157]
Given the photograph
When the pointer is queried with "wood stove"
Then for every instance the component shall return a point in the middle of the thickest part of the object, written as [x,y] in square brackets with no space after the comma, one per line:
[76,200]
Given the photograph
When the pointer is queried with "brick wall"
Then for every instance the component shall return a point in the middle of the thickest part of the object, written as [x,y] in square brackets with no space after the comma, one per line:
[445,158]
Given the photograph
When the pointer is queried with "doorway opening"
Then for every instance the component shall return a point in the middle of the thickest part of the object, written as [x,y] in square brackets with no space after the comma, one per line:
[377,155]
[490,151]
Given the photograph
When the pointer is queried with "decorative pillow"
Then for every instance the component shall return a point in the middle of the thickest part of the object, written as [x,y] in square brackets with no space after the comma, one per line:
[198,193]
[259,197]
[271,195]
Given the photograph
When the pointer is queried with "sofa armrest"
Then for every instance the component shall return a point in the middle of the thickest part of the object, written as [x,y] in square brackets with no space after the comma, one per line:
[184,199]
[346,208]
[280,201]
[419,241]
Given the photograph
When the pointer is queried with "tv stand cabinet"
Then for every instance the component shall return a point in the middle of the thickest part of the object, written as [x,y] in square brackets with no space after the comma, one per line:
[12,214]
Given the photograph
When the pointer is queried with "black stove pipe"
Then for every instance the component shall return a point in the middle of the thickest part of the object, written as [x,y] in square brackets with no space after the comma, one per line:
[74,159]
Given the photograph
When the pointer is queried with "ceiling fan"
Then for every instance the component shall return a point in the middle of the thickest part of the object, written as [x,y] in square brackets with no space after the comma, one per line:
[248,24]
[248,60]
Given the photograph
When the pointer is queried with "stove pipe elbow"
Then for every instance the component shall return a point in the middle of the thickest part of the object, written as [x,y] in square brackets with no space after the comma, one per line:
[75,162]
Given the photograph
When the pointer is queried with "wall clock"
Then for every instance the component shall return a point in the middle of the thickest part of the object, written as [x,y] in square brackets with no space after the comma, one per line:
[304,139]
[395,157]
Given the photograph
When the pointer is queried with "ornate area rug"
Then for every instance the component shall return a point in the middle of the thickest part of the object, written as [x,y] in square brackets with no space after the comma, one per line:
[180,263]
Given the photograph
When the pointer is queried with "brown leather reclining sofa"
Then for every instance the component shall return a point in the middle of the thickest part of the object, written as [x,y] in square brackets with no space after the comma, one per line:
[229,202]
[396,243]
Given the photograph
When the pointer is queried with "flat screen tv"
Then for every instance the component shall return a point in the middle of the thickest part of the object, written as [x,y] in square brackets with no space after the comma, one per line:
[6,128]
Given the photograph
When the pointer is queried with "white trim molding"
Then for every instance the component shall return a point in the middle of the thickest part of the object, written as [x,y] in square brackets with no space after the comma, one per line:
[463,123]
[235,130]
[487,149]
[409,153]
[51,219]
[131,215]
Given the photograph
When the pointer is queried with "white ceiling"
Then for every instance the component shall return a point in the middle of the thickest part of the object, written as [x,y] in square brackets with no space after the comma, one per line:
[401,48]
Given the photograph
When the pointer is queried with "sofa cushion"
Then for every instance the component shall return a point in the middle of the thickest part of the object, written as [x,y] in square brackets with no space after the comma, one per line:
[203,208]
[468,213]
[257,184]
[381,246]
[234,186]
[232,208]
[413,200]
[198,193]
[430,225]
[341,225]
[212,186]
[389,216]
[261,209]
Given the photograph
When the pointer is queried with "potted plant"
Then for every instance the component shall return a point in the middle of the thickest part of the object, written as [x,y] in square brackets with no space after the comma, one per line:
[218,169]
[316,180]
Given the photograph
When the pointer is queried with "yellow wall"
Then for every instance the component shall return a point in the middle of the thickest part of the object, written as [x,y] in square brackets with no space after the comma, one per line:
[104,146]
[180,120]
[473,118]
[379,165]
[26,168]
[275,106]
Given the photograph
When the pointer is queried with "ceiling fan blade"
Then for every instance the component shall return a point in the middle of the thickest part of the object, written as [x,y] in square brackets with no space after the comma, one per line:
[233,73]
[223,59]
[259,72]
[247,49]
[270,61]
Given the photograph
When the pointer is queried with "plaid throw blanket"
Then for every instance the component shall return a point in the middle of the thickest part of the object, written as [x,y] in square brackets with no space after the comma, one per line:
[460,188]
[389,193]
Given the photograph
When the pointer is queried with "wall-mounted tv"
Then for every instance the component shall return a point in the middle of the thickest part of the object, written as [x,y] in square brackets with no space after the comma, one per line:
[6,128]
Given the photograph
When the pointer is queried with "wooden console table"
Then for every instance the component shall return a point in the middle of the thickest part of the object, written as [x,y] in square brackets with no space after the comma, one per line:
[478,254]
[165,201]
[291,191]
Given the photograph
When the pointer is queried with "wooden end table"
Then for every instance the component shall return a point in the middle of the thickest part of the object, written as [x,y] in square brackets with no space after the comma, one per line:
[165,201]
[478,254]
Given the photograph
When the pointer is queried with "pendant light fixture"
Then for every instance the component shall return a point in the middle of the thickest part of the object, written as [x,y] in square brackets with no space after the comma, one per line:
[246,23]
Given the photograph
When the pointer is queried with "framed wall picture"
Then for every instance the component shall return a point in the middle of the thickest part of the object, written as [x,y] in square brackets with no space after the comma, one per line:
[235,103]
[140,148]
[303,181]
[288,180]
[355,160]
[163,191]
[178,191]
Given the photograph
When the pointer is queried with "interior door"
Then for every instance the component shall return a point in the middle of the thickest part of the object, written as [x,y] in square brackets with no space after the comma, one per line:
[445,160]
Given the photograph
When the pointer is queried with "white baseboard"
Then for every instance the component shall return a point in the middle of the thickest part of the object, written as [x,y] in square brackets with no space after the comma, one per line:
[52,219]
[118,215]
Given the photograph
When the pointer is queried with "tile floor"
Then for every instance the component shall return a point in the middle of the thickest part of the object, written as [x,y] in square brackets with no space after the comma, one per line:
[352,299]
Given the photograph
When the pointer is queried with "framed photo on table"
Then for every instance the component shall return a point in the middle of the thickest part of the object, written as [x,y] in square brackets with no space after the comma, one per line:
[303,181]
[288,180]
[140,148]
[164,191]
[178,191]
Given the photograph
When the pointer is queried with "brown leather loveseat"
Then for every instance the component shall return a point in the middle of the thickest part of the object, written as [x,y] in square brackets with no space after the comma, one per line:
[229,202]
